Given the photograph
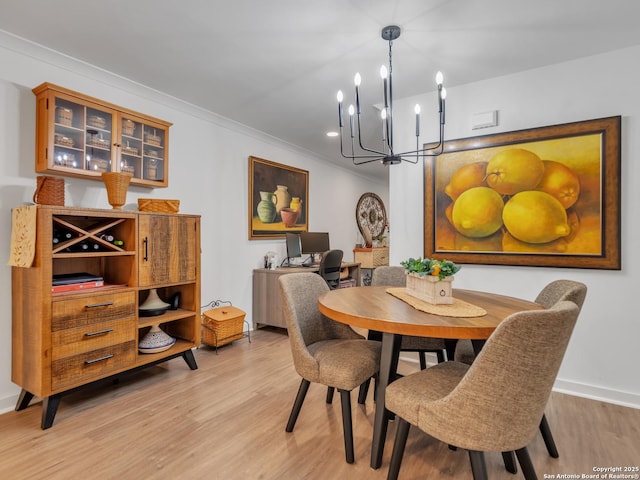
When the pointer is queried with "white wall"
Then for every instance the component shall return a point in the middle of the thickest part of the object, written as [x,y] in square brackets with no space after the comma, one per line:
[208,173]
[602,359]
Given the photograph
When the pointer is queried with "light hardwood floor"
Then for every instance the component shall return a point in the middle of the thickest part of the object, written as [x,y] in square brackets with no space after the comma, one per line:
[227,419]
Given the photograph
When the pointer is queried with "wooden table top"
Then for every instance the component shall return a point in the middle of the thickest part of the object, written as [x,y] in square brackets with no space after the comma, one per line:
[375,309]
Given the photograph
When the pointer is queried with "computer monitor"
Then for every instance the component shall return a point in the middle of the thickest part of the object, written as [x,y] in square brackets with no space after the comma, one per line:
[314,243]
[293,246]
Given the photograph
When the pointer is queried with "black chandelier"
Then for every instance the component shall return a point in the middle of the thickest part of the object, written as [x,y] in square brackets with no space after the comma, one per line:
[386,154]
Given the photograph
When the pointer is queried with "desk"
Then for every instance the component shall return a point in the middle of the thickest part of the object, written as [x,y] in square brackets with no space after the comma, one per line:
[267,306]
[374,309]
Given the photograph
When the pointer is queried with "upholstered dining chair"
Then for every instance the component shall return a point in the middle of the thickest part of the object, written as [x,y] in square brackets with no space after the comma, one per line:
[324,351]
[394,276]
[496,403]
[554,292]
[330,267]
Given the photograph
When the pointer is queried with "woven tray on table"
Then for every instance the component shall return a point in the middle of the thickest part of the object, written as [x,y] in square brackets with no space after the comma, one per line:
[161,205]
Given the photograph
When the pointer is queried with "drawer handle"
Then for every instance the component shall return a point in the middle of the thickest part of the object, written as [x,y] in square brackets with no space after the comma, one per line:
[100,359]
[99,332]
[97,305]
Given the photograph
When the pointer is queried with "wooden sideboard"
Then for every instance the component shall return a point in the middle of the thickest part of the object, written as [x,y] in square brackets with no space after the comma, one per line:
[267,307]
[65,340]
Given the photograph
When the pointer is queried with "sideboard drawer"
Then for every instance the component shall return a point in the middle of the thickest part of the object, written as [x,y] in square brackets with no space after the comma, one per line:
[76,312]
[72,341]
[78,369]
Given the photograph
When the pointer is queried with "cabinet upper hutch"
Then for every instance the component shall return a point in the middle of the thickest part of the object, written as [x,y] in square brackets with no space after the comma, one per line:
[81,136]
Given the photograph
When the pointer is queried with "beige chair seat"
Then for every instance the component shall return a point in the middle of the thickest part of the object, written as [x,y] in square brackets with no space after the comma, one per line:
[404,397]
[344,364]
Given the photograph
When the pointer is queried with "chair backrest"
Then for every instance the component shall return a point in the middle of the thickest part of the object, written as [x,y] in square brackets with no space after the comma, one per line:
[392,276]
[498,404]
[330,267]
[305,324]
[559,290]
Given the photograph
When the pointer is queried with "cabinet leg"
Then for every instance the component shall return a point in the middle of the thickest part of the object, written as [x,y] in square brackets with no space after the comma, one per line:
[23,400]
[49,409]
[190,359]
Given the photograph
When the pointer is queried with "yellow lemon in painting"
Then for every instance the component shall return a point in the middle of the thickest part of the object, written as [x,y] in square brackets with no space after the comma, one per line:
[514,170]
[561,182]
[477,212]
[535,217]
[466,177]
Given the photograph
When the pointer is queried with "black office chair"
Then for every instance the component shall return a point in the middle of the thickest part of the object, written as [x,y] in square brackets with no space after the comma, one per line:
[330,267]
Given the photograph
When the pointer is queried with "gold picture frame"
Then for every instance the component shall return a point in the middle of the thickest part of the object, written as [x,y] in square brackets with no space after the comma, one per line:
[581,170]
[278,199]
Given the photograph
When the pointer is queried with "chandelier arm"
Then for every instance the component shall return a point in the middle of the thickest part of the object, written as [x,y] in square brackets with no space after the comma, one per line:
[353,155]
[342,147]
[362,147]
[369,160]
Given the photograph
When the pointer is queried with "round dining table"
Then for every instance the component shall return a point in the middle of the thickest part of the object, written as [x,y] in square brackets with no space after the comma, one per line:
[375,309]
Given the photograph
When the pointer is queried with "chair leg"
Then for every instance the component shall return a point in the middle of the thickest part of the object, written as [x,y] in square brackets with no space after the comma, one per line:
[509,460]
[402,432]
[478,465]
[364,391]
[423,360]
[548,438]
[297,405]
[525,462]
[345,397]
[440,355]
[330,391]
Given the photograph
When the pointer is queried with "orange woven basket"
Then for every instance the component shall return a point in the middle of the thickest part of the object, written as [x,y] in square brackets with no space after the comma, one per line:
[161,205]
[117,184]
[49,191]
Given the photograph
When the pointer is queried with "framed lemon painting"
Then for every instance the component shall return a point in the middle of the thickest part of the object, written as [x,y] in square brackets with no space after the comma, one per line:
[547,196]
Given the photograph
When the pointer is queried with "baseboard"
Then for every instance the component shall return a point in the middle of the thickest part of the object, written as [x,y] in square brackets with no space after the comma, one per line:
[616,397]
[8,403]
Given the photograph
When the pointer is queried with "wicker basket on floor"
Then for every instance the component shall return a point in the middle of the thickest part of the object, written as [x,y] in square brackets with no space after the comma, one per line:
[222,325]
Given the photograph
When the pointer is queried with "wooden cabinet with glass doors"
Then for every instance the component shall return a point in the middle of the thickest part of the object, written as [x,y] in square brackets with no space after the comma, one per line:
[81,136]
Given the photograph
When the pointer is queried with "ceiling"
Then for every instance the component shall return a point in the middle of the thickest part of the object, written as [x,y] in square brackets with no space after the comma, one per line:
[276,65]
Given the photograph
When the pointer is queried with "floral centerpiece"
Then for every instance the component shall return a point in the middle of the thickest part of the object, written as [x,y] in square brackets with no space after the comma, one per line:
[430,279]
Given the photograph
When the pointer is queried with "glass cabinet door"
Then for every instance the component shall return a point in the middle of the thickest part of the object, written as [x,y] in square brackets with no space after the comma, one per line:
[154,153]
[131,147]
[82,138]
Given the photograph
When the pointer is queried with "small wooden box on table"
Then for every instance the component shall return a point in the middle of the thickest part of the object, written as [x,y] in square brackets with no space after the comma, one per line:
[371,257]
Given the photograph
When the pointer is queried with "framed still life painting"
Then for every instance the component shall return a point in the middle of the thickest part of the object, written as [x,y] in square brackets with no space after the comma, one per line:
[547,196]
[278,199]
